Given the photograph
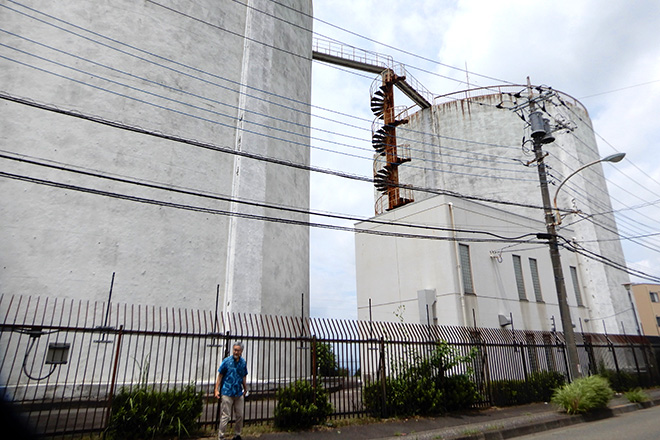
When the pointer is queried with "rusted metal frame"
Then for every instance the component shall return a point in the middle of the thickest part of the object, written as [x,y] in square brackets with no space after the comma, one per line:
[158,339]
[78,364]
[170,340]
[111,365]
[111,391]
[35,350]
[11,334]
[68,368]
[93,351]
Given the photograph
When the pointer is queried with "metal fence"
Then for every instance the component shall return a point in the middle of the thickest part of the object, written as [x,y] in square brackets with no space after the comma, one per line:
[64,360]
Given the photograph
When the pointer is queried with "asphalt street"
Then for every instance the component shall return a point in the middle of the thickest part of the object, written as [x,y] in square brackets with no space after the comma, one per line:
[637,425]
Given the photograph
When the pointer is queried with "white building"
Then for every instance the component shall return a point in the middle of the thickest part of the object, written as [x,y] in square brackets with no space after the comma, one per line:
[469,143]
[452,280]
[222,73]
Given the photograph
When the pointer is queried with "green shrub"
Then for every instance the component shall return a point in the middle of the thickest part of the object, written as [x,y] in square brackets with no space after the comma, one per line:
[584,395]
[423,387]
[141,412]
[620,381]
[539,387]
[300,406]
[509,392]
[543,384]
[636,396]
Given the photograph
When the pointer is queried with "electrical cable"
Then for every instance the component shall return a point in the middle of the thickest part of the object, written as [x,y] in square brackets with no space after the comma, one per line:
[225,198]
[493,156]
[572,246]
[243,215]
[620,89]
[392,47]
[460,69]
[229,150]
[34,336]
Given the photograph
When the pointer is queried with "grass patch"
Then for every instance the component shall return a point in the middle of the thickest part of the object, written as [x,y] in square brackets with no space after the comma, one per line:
[636,396]
[584,395]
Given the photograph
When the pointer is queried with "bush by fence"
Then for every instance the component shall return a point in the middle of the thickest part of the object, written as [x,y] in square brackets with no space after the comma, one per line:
[146,413]
[301,406]
[424,386]
[539,387]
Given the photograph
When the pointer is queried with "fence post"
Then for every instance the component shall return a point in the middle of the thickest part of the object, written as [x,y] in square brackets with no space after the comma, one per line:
[383,384]
[314,362]
[639,373]
[616,361]
[562,346]
[524,361]
[113,380]
[589,347]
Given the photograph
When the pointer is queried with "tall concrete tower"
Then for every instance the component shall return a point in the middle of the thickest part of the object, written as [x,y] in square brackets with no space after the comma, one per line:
[82,200]
[469,142]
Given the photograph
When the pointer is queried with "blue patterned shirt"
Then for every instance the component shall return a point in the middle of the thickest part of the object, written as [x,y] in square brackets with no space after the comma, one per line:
[233,373]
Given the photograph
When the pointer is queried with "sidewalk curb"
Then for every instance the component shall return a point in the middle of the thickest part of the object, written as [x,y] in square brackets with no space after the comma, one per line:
[546,422]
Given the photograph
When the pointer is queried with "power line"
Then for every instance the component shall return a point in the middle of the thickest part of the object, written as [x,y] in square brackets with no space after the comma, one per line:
[608,262]
[620,89]
[224,198]
[243,215]
[237,83]
[395,48]
[447,171]
[215,122]
[241,153]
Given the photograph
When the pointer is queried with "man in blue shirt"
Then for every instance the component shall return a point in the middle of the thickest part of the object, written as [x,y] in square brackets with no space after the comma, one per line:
[231,387]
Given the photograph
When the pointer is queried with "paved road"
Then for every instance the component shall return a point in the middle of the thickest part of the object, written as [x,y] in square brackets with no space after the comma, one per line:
[637,425]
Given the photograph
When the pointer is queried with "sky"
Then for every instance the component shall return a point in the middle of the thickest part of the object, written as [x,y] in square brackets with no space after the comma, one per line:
[604,53]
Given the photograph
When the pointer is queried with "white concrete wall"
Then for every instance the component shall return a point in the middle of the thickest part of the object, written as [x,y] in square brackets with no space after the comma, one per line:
[488,165]
[147,66]
[390,271]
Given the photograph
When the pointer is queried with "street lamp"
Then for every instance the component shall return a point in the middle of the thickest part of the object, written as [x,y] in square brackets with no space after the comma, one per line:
[614,158]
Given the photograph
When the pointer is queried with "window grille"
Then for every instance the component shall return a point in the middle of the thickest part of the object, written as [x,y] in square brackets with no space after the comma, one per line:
[576,287]
[520,282]
[534,268]
[466,268]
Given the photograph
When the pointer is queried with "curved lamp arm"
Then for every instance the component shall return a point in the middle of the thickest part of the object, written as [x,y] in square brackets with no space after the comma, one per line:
[611,158]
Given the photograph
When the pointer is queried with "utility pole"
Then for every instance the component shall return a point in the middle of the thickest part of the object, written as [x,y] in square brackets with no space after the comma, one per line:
[541,134]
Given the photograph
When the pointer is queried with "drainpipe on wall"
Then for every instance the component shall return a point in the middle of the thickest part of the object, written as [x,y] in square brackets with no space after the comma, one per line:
[457,273]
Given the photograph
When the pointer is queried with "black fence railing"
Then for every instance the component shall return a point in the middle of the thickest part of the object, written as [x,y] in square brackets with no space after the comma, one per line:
[63,361]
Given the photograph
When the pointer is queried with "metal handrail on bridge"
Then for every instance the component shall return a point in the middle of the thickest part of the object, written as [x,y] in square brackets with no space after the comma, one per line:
[360,59]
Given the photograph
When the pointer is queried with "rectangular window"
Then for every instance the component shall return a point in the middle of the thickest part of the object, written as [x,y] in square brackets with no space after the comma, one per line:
[534,268]
[576,287]
[657,320]
[654,297]
[466,268]
[520,282]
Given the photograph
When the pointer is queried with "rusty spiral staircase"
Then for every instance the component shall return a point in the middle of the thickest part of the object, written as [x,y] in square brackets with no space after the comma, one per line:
[388,155]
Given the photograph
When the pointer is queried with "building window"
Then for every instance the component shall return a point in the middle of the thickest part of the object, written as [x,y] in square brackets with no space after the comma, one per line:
[654,297]
[576,287]
[657,320]
[534,268]
[466,268]
[520,282]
